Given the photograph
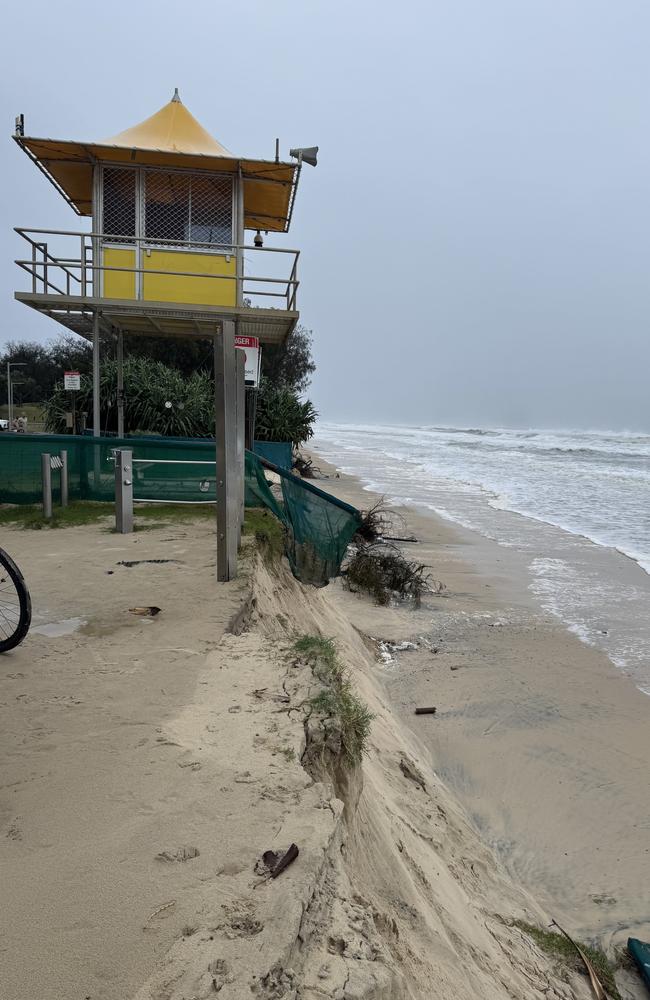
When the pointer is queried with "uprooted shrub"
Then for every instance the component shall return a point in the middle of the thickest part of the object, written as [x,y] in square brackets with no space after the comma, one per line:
[347,719]
[383,572]
[376,522]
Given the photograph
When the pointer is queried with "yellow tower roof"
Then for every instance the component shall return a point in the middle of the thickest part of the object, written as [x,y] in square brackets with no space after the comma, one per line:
[173,129]
[171,138]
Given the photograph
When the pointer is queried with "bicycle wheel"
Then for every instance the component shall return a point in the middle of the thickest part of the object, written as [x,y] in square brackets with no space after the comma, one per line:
[15,604]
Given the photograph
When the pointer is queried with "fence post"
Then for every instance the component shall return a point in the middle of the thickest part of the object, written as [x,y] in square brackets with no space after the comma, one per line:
[123,491]
[64,478]
[46,476]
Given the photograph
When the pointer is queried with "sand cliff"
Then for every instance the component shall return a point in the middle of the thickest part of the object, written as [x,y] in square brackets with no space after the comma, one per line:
[393,893]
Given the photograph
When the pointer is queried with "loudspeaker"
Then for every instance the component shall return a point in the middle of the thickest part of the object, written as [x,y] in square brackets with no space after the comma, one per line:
[307,154]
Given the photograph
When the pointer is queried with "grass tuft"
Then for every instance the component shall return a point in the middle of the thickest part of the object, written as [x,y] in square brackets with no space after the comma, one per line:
[316,649]
[268,532]
[337,700]
[560,947]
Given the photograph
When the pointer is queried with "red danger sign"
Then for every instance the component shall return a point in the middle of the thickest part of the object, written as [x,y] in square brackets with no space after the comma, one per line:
[251,348]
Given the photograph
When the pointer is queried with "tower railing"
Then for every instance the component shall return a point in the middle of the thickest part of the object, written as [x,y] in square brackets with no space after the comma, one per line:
[68,263]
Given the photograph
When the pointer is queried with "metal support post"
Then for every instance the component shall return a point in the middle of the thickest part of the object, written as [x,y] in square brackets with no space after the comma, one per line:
[10,400]
[225,403]
[64,478]
[46,476]
[124,491]
[240,375]
[96,401]
[96,407]
[120,384]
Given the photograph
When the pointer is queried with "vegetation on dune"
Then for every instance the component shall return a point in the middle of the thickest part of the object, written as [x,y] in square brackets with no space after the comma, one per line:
[268,532]
[557,945]
[337,701]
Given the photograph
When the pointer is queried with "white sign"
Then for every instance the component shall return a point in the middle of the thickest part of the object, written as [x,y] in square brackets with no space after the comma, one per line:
[251,347]
[71,380]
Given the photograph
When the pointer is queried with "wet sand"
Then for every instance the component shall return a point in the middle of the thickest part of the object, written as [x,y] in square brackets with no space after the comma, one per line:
[545,741]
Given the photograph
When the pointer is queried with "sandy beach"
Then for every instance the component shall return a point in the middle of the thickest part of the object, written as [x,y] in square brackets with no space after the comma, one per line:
[545,742]
[147,764]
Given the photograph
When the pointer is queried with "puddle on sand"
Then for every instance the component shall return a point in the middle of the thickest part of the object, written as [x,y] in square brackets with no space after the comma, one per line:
[55,629]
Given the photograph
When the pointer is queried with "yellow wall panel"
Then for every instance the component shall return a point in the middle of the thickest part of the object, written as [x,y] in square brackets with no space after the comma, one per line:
[119,284]
[192,290]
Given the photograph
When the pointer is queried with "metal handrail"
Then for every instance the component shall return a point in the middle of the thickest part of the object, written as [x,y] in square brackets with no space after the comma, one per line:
[39,269]
[148,240]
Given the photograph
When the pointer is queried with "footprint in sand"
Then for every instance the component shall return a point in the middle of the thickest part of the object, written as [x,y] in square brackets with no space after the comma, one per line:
[184,853]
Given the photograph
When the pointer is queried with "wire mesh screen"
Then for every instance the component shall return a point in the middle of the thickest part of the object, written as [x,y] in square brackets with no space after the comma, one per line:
[211,210]
[183,208]
[119,201]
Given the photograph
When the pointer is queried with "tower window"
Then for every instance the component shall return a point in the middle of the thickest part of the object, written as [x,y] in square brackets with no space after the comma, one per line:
[118,215]
[188,208]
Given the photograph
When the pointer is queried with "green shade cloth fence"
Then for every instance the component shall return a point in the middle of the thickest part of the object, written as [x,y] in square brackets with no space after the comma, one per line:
[319,527]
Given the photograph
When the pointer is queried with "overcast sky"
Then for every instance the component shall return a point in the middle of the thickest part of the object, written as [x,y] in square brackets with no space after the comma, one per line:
[476,237]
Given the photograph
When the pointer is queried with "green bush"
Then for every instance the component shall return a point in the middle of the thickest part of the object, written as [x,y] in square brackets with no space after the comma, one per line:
[281,416]
[149,386]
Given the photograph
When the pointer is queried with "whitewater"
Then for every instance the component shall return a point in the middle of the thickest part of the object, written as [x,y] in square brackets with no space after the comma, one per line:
[567,499]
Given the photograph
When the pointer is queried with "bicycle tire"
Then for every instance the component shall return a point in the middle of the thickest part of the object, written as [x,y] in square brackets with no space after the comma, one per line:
[14,632]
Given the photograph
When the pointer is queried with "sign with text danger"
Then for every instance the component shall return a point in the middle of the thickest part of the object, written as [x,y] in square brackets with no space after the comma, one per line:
[251,347]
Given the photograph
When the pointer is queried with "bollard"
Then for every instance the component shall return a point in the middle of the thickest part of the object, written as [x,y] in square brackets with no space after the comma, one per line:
[123,491]
[64,478]
[46,476]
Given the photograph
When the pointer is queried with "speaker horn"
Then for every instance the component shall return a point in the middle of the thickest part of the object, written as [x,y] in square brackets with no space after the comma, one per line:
[306,154]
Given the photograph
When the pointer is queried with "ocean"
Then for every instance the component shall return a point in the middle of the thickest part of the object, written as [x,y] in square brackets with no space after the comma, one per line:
[569,501]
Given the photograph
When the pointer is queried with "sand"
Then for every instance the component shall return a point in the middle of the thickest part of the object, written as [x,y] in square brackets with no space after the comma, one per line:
[544,740]
[146,764]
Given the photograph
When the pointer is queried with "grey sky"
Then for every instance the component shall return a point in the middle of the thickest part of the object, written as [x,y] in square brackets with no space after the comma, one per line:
[475,239]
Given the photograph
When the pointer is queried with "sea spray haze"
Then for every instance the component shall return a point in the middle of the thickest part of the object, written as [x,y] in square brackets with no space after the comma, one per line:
[593,485]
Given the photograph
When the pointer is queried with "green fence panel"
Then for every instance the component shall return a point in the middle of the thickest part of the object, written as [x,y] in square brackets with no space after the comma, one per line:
[277,452]
[157,474]
[319,527]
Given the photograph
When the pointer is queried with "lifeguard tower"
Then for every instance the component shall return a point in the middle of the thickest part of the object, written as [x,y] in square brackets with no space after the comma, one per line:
[166,255]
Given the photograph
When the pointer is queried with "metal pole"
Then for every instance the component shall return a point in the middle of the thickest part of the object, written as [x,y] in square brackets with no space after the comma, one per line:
[96,407]
[120,384]
[64,478]
[46,476]
[225,403]
[240,434]
[10,402]
[124,491]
